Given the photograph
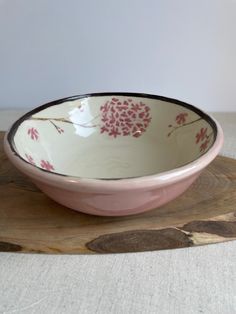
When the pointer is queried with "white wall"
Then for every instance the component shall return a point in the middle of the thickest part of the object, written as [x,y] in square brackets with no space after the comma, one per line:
[180,48]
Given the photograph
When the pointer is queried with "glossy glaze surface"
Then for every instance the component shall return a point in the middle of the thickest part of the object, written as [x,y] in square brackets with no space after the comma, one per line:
[113,137]
[114,154]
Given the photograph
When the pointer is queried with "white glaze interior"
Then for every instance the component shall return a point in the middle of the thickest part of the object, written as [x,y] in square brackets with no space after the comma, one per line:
[82,150]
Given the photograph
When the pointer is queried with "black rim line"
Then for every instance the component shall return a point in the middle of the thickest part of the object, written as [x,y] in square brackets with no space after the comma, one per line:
[17,123]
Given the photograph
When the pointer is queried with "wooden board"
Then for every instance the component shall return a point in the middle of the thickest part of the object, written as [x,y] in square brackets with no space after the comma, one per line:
[31,222]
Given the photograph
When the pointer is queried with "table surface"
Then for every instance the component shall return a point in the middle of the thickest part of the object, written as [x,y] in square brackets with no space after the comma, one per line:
[193,280]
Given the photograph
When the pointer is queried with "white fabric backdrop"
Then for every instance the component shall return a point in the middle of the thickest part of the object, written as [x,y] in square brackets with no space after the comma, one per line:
[182,49]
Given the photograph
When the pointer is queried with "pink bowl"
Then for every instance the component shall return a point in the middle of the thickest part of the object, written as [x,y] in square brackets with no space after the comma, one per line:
[113,154]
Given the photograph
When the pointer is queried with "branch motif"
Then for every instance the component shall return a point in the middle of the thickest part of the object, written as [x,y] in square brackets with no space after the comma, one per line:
[65,121]
[202,137]
[182,125]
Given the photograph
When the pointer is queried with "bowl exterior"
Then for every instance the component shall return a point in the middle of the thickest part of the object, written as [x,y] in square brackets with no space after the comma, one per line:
[115,197]
[116,203]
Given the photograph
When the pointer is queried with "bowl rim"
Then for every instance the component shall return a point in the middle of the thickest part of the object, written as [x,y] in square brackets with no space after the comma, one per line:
[160,178]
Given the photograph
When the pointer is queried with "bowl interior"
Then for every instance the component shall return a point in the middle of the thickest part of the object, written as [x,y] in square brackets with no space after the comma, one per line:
[113,136]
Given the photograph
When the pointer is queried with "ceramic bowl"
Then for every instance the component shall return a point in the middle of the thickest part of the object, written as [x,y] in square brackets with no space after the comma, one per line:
[113,154]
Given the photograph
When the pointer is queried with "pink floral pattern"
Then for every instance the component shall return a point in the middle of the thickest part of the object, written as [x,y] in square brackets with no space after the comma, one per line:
[201,135]
[46,165]
[203,138]
[204,145]
[123,118]
[181,118]
[116,118]
[30,159]
[34,134]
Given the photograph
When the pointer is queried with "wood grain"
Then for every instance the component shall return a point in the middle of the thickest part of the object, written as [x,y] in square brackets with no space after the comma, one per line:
[31,222]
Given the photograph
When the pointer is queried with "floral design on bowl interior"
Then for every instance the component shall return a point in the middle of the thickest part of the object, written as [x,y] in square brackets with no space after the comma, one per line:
[91,144]
[203,136]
